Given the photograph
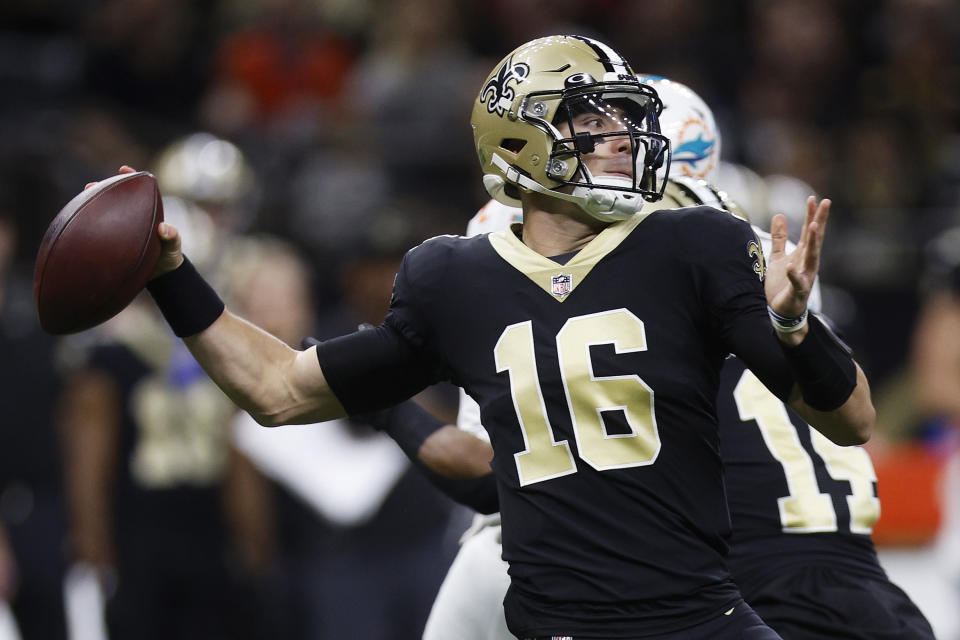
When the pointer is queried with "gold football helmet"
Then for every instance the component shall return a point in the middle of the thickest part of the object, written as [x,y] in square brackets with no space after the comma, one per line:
[551,82]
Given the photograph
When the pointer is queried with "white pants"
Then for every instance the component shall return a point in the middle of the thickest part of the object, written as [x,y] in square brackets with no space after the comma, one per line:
[469,605]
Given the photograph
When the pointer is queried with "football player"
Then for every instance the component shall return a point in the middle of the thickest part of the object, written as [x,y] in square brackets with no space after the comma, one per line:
[801,506]
[591,337]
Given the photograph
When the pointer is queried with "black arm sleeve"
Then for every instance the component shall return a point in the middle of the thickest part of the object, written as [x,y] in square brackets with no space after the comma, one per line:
[374,369]
[822,365]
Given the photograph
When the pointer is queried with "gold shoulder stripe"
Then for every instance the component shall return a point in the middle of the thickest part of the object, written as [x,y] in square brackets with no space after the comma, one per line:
[542,270]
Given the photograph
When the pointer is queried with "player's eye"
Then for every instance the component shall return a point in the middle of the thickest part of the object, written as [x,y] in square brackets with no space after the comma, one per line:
[592,122]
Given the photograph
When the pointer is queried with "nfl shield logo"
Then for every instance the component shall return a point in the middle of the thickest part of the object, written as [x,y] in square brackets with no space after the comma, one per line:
[561,284]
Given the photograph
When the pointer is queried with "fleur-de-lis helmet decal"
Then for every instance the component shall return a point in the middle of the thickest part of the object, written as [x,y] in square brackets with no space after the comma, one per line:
[497,93]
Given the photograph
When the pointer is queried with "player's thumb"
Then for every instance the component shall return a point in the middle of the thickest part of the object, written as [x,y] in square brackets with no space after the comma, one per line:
[171,256]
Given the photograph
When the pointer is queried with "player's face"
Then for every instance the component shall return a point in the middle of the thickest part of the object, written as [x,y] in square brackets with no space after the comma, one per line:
[612,154]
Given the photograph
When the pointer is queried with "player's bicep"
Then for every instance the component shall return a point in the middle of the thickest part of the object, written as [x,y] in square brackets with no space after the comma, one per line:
[310,383]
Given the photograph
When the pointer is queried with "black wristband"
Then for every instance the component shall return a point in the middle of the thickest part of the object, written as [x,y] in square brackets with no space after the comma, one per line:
[823,367]
[407,423]
[186,300]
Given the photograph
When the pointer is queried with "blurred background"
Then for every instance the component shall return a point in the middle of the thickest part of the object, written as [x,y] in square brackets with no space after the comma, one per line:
[316,140]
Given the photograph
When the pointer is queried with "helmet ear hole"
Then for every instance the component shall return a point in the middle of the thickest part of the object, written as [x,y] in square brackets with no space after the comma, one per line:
[513,145]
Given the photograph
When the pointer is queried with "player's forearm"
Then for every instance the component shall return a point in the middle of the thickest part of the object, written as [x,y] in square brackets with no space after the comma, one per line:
[454,453]
[830,390]
[454,461]
[852,423]
[262,375]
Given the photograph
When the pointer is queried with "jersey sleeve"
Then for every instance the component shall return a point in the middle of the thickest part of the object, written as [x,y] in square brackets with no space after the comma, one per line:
[373,369]
[731,268]
[419,293]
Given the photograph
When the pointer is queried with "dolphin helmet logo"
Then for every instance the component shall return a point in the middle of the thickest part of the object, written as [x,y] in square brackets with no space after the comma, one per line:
[694,151]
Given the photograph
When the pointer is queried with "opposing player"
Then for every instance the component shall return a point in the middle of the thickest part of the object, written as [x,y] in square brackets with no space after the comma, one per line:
[791,554]
[597,376]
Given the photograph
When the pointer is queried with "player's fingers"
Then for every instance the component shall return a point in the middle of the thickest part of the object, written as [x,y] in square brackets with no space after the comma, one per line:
[811,252]
[123,169]
[817,233]
[778,234]
[823,214]
[811,214]
[801,288]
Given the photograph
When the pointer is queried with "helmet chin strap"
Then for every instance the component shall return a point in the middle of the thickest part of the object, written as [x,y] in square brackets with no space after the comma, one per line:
[607,205]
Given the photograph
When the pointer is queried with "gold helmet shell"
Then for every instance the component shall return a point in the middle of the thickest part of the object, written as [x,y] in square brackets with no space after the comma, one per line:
[536,86]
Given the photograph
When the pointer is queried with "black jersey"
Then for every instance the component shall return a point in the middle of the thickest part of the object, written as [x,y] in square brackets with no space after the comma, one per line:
[172,452]
[597,381]
[795,497]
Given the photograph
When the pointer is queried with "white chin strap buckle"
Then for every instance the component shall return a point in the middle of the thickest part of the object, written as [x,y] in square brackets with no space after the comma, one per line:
[607,204]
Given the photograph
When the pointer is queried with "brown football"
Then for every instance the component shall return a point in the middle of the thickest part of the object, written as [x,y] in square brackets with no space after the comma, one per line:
[98,253]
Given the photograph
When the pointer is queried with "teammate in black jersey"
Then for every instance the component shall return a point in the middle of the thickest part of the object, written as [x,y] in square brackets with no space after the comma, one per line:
[596,372]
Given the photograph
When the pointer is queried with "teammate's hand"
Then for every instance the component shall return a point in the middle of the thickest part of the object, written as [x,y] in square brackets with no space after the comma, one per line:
[790,276]
[170,255]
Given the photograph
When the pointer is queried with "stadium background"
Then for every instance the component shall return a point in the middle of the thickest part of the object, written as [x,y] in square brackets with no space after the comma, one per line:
[352,118]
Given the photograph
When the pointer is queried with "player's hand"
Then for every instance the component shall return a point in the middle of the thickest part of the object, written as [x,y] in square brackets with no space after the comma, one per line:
[790,276]
[170,255]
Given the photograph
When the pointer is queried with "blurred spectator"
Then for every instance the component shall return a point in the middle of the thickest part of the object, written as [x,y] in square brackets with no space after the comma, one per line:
[281,71]
[161,505]
[150,55]
[936,340]
[361,543]
[408,95]
[212,178]
[32,523]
